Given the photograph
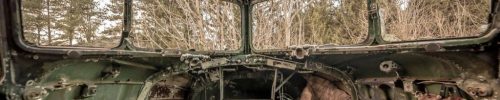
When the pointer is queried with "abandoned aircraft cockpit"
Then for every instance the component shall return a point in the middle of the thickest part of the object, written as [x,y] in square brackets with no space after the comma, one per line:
[249,49]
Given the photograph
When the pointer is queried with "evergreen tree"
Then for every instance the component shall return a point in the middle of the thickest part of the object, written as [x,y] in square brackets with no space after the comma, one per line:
[68,22]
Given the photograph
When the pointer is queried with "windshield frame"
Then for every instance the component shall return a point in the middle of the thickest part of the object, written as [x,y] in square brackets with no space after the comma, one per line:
[367,41]
[375,42]
[125,47]
[246,48]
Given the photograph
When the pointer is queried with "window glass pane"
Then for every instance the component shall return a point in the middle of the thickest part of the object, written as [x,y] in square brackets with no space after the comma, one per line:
[406,20]
[81,23]
[186,24]
[277,24]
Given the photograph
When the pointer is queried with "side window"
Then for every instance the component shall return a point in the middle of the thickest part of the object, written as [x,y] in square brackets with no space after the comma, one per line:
[407,20]
[72,23]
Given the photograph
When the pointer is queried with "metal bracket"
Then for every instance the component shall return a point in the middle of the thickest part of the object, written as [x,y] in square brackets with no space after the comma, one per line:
[194,61]
[88,90]
[300,52]
[388,66]
[35,93]
[111,72]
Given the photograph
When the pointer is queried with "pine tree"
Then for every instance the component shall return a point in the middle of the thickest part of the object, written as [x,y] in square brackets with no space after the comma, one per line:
[67,22]
[33,20]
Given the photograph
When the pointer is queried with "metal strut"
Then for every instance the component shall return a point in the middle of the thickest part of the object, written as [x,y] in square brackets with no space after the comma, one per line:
[273,94]
[283,82]
[221,83]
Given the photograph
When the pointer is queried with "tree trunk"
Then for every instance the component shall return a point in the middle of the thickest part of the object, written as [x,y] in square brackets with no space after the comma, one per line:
[49,34]
[39,36]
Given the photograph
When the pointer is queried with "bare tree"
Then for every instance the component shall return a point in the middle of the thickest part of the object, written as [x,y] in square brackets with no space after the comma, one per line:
[278,24]
[181,24]
[433,19]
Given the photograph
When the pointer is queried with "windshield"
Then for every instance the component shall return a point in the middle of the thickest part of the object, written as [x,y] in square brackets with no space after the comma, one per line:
[80,23]
[278,24]
[186,24]
[407,20]
[160,24]
[207,25]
